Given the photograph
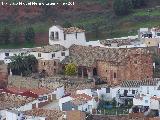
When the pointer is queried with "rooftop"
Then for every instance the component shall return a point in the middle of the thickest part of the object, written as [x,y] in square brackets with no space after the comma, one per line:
[8,101]
[49,114]
[119,42]
[16,50]
[73,30]
[80,98]
[88,55]
[49,48]
[137,83]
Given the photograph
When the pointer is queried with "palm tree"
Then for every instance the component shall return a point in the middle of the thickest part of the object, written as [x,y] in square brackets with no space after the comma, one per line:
[17,64]
[23,65]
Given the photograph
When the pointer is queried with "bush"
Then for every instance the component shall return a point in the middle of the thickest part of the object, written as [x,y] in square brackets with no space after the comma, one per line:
[122,7]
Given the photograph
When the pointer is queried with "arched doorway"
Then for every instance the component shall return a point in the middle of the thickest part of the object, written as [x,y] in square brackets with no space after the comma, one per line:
[94,71]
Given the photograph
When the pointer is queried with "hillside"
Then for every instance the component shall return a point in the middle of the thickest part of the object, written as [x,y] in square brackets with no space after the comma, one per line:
[96,16]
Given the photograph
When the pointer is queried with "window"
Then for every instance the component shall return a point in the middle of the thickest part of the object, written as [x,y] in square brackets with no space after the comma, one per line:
[149,43]
[44,63]
[52,36]
[6,54]
[44,97]
[55,63]
[39,54]
[133,92]
[76,35]
[107,90]
[40,98]
[146,101]
[158,34]
[64,36]
[115,75]
[54,70]
[135,62]
[57,35]
[147,90]
[106,70]
[53,55]
[62,53]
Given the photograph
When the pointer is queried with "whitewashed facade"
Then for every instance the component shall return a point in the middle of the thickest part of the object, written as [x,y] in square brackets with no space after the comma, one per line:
[58,36]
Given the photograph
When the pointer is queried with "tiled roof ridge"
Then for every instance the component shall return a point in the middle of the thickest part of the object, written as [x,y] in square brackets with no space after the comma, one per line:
[137,83]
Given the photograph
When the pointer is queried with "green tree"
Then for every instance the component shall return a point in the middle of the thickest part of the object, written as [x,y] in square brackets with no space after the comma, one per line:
[23,65]
[29,34]
[5,35]
[70,69]
[17,65]
[96,29]
[122,7]
[138,3]
[15,38]
[67,24]
[31,63]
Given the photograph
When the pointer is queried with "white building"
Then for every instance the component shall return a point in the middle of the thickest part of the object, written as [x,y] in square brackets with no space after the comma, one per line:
[66,36]
[82,102]
[48,52]
[6,54]
[149,33]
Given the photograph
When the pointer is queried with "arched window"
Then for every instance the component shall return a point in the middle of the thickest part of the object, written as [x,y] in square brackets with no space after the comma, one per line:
[57,35]
[52,36]
[115,75]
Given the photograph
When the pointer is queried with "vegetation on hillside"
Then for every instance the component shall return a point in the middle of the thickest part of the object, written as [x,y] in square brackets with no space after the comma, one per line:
[98,17]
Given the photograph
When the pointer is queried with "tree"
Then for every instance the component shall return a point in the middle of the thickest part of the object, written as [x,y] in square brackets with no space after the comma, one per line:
[5,35]
[67,24]
[96,29]
[17,65]
[47,8]
[15,38]
[138,3]
[23,65]
[122,7]
[31,63]
[29,34]
[70,69]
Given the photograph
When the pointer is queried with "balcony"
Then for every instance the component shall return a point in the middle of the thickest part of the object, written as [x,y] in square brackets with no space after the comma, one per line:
[127,95]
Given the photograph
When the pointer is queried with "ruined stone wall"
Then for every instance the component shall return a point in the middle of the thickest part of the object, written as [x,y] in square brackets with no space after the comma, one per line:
[137,67]
[50,66]
[3,75]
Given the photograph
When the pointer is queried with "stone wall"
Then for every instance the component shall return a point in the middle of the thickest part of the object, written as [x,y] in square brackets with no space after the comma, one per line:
[3,75]
[51,67]
[136,67]
[76,115]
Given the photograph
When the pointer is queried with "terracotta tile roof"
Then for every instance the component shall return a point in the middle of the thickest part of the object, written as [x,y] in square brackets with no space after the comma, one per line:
[155,98]
[80,98]
[49,114]
[73,30]
[16,50]
[138,83]
[119,42]
[88,55]
[156,29]
[16,90]
[10,101]
[49,48]
[40,91]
